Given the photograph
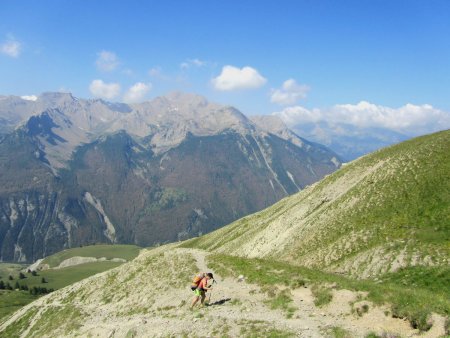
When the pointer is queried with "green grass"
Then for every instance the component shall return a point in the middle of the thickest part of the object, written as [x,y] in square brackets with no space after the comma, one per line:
[61,319]
[338,332]
[127,252]
[59,278]
[15,329]
[282,300]
[322,295]
[436,279]
[7,269]
[11,301]
[412,302]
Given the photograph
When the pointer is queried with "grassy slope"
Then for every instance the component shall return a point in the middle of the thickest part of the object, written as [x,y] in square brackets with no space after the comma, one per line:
[10,301]
[127,252]
[394,204]
[130,289]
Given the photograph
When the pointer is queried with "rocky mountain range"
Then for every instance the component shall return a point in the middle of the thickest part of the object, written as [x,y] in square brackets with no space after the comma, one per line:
[76,171]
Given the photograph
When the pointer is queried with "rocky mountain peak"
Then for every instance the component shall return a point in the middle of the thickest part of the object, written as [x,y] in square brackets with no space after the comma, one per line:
[274,125]
[56,98]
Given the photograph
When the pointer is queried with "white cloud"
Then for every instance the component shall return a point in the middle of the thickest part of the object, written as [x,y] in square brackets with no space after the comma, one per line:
[289,93]
[104,90]
[409,119]
[137,92]
[29,97]
[11,47]
[233,78]
[107,61]
[192,63]
[298,114]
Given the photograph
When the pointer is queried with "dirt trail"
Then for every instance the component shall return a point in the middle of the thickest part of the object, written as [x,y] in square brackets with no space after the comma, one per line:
[236,309]
[235,301]
[241,301]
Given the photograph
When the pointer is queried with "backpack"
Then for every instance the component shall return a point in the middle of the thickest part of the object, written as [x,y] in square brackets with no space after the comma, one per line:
[197,279]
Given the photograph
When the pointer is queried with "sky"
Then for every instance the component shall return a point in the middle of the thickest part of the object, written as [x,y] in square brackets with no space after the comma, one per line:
[260,56]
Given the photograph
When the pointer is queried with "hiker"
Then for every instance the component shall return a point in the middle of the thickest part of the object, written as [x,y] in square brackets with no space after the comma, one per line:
[200,286]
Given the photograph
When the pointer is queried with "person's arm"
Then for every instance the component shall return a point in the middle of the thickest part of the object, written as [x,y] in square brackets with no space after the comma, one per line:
[207,287]
[204,284]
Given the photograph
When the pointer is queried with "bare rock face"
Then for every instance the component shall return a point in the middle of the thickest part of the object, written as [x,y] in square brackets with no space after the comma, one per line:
[79,171]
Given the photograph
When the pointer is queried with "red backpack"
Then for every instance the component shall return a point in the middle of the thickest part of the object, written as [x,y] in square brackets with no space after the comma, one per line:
[197,279]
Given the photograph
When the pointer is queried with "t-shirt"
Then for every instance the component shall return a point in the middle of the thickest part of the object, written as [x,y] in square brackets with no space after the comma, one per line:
[203,283]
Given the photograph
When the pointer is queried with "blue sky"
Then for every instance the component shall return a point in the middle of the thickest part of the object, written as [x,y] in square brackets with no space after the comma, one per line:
[388,53]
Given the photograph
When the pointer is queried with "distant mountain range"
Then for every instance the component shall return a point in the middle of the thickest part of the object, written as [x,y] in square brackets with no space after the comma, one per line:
[347,140]
[76,171]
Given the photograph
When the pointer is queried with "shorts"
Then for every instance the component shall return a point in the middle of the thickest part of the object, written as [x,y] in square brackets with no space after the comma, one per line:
[199,292]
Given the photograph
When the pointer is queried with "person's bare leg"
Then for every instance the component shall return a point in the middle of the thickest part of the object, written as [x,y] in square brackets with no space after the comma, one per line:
[203,298]
[194,301]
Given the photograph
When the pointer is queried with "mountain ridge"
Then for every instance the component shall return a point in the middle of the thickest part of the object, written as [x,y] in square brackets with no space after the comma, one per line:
[78,177]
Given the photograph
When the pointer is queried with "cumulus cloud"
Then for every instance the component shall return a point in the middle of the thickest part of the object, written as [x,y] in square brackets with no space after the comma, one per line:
[192,63]
[107,61]
[137,92]
[11,47]
[233,78]
[104,90]
[409,119]
[290,93]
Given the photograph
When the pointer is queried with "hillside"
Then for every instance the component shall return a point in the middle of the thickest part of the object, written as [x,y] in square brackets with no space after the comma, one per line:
[262,290]
[387,210]
[150,296]
[77,172]
[57,271]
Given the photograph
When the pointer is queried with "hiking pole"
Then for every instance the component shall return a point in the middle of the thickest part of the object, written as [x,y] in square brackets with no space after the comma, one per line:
[210,293]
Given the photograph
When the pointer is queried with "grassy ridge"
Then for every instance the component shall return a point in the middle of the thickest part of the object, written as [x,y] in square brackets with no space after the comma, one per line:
[127,252]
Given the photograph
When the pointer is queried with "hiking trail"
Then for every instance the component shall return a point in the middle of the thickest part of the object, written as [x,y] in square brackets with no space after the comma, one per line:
[237,308]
